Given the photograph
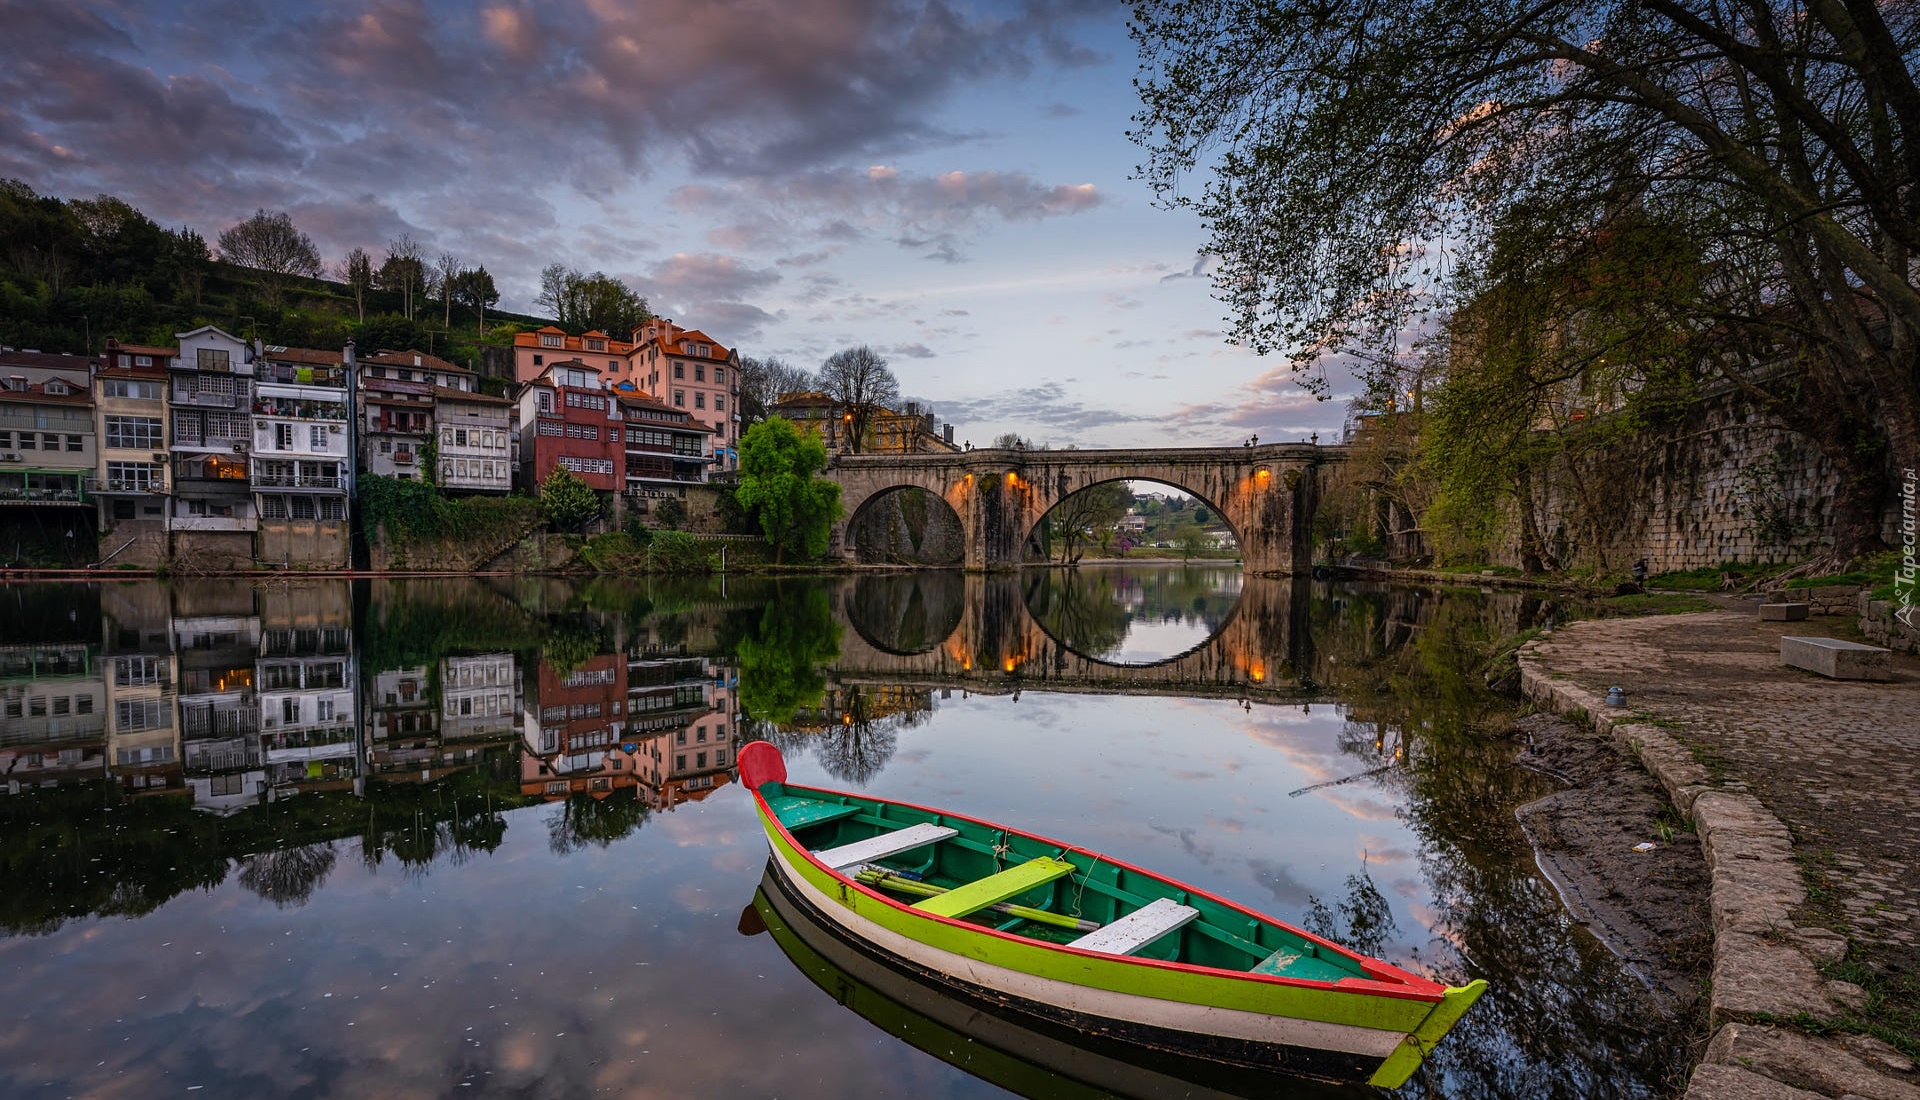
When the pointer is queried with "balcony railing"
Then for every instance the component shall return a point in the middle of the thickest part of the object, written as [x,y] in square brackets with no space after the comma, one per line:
[202,722]
[212,400]
[17,495]
[295,481]
[132,485]
[194,437]
[403,458]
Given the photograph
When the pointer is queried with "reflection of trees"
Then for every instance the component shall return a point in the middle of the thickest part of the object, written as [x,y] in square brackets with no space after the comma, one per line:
[855,753]
[1090,611]
[585,821]
[1362,920]
[570,643]
[1561,1017]
[287,877]
[781,660]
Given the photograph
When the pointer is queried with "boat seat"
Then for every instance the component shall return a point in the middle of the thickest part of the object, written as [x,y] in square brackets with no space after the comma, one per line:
[1139,928]
[993,889]
[797,813]
[884,845]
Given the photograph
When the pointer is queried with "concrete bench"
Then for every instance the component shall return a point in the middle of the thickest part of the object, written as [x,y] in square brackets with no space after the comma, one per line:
[1783,612]
[1835,659]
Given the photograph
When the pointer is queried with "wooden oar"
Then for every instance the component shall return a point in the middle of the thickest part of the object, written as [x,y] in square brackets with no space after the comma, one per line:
[888,880]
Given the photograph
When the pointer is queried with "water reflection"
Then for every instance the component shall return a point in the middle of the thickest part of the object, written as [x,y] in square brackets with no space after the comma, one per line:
[213,790]
[1133,615]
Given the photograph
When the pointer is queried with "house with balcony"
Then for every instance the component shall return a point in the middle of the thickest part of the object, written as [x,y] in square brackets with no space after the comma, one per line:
[534,352]
[47,449]
[403,731]
[131,485]
[210,399]
[396,423]
[687,369]
[568,420]
[667,449]
[570,725]
[478,444]
[300,459]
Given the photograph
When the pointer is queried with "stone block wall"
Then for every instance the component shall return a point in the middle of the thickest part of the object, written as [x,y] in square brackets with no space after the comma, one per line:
[303,543]
[1878,623]
[908,527]
[1720,485]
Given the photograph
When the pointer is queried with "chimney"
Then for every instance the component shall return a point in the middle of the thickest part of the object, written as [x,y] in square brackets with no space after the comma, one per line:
[913,408]
[946,430]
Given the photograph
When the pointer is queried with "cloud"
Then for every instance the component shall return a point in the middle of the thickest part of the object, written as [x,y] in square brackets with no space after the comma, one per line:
[198,112]
[709,290]
[911,351]
[1046,405]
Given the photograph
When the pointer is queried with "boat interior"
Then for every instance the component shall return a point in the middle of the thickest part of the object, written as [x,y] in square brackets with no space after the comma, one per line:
[1008,881]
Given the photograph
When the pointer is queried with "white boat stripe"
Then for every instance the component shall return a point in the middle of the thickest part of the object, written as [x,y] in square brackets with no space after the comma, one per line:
[1177,1015]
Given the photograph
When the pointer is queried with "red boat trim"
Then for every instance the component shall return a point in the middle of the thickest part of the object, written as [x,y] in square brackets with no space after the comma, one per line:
[1394,982]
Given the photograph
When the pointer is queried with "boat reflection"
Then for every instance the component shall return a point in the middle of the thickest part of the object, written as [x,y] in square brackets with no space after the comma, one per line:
[1025,1056]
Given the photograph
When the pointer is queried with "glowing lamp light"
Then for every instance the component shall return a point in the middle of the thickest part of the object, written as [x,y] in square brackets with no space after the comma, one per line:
[1011,663]
[1263,474]
[1258,671]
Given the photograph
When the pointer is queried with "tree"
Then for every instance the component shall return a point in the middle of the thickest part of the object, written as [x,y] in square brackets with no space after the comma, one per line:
[584,303]
[570,503]
[356,270]
[404,272]
[763,382]
[274,248]
[1190,538]
[1084,515]
[778,488]
[862,385]
[447,270]
[1363,161]
[781,656]
[476,292]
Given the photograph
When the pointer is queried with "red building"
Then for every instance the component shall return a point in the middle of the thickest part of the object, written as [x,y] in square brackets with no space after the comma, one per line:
[580,716]
[568,420]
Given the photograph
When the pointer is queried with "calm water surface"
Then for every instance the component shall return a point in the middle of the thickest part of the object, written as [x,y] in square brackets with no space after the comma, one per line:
[426,838]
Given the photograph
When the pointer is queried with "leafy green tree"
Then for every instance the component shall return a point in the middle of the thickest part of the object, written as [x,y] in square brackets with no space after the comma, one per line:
[582,303]
[794,508]
[274,248]
[671,512]
[475,291]
[570,503]
[1190,539]
[781,656]
[1360,163]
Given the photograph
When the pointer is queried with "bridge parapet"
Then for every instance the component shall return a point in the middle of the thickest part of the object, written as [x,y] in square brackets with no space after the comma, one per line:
[1267,494]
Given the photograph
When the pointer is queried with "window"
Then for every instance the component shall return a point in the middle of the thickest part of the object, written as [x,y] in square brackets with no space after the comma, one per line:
[290,709]
[700,760]
[26,442]
[73,443]
[537,360]
[551,427]
[551,340]
[680,763]
[596,345]
[460,437]
[719,403]
[139,477]
[273,507]
[386,446]
[613,364]
[546,401]
[333,507]
[6,440]
[585,401]
[679,370]
[283,437]
[317,437]
[218,385]
[699,399]
[134,432]
[49,441]
[680,398]
[325,707]
[213,359]
[719,375]
[133,715]
[302,508]
[144,391]
[142,360]
[699,372]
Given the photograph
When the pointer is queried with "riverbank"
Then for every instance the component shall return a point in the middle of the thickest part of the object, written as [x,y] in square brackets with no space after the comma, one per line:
[1804,794]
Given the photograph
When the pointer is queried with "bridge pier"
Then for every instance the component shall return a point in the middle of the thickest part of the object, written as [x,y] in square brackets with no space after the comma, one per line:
[1267,494]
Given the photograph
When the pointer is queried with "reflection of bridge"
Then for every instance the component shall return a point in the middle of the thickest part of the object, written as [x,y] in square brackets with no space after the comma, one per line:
[1267,493]
[948,629]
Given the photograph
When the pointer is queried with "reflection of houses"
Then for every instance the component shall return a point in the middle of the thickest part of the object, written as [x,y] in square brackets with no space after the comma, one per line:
[569,726]
[684,727]
[479,697]
[140,671]
[52,720]
[306,682]
[403,733]
[216,640]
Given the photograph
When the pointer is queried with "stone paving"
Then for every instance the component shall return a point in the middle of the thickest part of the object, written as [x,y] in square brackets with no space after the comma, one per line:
[1774,765]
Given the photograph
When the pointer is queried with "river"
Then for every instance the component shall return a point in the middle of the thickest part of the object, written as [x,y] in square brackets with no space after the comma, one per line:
[480,836]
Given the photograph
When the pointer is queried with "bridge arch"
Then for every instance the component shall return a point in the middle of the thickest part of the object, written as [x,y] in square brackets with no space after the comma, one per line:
[1266,494]
[906,525]
[1072,491]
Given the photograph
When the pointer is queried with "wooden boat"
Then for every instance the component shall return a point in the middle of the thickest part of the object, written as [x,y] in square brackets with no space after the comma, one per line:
[1069,936]
[1021,1054]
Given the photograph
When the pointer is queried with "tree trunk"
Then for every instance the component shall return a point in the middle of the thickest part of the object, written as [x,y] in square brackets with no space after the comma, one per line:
[1532,549]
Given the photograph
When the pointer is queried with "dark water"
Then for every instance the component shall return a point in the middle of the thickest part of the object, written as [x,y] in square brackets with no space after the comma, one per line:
[416,838]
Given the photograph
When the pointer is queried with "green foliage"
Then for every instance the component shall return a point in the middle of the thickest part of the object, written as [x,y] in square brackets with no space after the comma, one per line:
[421,621]
[671,512]
[583,303]
[674,552]
[780,658]
[569,502]
[414,511]
[570,643]
[1706,578]
[778,488]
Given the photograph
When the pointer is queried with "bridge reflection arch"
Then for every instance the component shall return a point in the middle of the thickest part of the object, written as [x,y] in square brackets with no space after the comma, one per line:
[907,614]
[1065,493]
[1082,614]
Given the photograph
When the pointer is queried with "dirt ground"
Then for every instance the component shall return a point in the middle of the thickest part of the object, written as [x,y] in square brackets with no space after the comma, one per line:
[1648,907]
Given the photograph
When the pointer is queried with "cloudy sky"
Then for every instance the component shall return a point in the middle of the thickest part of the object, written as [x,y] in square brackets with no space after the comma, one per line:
[947,182]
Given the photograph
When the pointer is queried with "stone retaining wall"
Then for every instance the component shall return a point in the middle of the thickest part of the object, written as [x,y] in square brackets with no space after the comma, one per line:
[1764,967]
[1878,623]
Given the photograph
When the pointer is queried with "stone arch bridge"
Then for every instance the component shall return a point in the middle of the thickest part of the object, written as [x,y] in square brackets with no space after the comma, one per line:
[1267,494]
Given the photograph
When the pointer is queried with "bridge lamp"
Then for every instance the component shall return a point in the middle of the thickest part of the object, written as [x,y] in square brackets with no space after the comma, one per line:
[1258,671]
[1263,475]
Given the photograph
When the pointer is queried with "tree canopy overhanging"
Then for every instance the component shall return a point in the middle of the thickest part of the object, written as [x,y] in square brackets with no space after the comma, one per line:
[1356,166]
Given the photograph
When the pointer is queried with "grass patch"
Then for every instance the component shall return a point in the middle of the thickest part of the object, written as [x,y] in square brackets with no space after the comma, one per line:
[1707,578]
[1718,765]
[1876,572]
[1653,603]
